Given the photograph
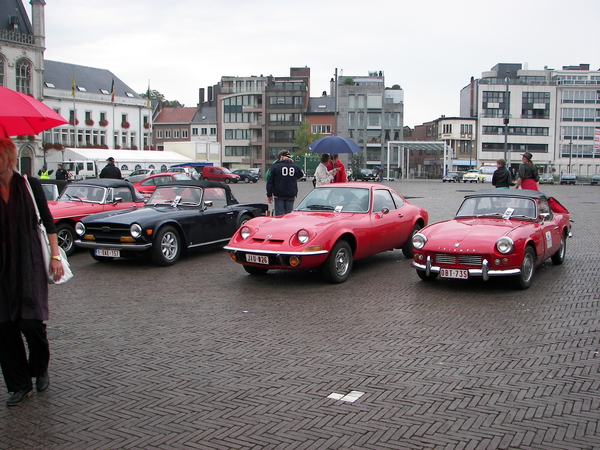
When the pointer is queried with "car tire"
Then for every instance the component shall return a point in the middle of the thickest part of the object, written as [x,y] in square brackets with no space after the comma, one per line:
[338,265]
[246,180]
[255,181]
[243,219]
[423,275]
[559,257]
[407,248]
[227,181]
[166,248]
[66,238]
[253,270]
[525,278]
[100,259]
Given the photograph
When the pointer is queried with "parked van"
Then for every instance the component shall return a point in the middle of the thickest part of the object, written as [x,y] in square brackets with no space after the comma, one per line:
[215,173]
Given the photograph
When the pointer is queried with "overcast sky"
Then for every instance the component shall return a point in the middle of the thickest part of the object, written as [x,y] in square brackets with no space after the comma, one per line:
[431,48]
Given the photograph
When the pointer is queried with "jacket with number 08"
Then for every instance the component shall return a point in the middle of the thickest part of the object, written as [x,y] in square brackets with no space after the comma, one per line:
[283,178]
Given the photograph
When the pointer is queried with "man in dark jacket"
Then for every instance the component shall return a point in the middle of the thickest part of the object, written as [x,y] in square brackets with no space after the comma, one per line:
[110,170]
[61,174]
[282,183]
[501,178]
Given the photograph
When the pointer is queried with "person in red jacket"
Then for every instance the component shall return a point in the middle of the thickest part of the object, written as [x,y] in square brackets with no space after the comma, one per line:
[340,175]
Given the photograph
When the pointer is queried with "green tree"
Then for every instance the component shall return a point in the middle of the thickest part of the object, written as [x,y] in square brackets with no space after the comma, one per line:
[154,94]
[303,137]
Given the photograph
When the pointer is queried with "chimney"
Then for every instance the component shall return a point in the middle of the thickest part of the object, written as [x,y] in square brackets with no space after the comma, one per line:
[201,95]
[210,95]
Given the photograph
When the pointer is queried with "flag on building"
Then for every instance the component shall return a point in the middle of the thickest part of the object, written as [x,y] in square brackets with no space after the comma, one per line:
[73,85]
[112,91]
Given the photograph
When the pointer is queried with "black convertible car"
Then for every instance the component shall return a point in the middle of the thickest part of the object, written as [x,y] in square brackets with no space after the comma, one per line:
[179,215]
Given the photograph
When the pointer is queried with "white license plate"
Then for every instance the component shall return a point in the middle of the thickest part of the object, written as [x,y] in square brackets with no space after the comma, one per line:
[454,273]
[110,253]
[258,259]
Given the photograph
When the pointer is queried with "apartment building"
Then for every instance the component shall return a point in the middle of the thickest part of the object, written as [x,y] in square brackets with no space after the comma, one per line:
[370,114]
[554,114]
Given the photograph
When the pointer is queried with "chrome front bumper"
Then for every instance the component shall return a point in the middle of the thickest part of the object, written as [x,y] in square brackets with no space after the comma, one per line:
[484,271]
[129,247]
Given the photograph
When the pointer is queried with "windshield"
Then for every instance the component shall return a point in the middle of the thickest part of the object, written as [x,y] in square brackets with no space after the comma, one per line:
[83,193]
[176,195]
[338,199]
[504,207]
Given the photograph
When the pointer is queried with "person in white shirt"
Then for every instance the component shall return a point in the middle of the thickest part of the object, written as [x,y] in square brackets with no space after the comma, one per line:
[322,175]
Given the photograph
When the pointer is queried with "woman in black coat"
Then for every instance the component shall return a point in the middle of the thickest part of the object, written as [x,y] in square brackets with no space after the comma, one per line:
[23,280]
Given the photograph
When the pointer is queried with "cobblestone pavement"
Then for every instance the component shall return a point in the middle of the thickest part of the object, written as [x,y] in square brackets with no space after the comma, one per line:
[203,356]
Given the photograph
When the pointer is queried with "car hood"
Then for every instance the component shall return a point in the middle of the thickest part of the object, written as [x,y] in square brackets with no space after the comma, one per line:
[285,226]
[468,232]
[129,216]
[64,209]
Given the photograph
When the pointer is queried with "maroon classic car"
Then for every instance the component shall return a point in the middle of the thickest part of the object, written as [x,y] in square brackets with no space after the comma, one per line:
[333,226]
[82,198]
[496,233]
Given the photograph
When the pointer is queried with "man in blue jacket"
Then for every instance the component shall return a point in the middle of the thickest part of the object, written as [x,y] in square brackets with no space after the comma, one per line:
[282,183]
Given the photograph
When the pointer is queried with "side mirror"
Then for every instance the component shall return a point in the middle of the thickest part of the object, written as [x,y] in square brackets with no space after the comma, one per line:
[118,200]
[544,217]
[208,203]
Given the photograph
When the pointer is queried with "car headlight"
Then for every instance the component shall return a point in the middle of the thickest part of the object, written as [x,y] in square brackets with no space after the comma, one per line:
[79,229]
[419,241]
[505,245]
[302,236]
[244,232]
[135,230]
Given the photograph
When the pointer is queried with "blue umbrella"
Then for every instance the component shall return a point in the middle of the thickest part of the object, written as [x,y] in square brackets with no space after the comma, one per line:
[333,145]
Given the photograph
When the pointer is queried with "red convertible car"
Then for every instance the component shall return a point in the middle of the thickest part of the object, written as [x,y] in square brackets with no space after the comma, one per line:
[82,198]
[147,185]
[496,233]
[333,226]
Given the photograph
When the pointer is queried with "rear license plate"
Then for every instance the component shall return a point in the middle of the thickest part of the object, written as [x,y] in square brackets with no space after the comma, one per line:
[454,273]
[258,259]
[110,253]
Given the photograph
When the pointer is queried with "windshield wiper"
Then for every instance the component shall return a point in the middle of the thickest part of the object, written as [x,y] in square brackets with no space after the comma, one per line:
[489,214]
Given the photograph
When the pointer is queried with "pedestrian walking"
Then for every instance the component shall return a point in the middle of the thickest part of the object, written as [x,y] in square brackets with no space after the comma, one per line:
[282,183]
[501,179]
[528,174]
[23,279]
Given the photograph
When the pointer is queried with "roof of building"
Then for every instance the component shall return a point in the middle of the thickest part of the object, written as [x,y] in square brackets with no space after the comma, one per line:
[14,8]
[321,105]
[97,81]
[175,115]
[206,114]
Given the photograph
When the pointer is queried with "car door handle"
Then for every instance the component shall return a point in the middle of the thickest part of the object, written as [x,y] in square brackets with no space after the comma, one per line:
[230,213]
[400,215]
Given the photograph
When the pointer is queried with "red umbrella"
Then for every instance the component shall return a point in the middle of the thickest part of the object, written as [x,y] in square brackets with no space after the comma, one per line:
[21,114]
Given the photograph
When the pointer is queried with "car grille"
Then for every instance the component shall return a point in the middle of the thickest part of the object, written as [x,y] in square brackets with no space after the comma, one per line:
[107,231]
[267,241]
[467,260]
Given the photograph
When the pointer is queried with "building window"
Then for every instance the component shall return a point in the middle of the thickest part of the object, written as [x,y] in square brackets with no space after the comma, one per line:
[351,120]
[194,131]
[374,102]
[184,134]
[360,122]
[238,150]
[213,131]
[360,104]
[203,131]
[373,119]
[23,76]
[351,101]
[1,72]
[323,129]
[494,104]
[159,134]
[176,134]
[447,128]
[536,105]
[167,134]
[466,128]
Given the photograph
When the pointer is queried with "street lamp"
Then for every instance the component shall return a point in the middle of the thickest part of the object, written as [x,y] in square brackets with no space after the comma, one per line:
[506,120]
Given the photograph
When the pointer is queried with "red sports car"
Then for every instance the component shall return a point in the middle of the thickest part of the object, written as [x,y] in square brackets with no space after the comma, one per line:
[82,198]
[147,185]
[496,233]
[333,226]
